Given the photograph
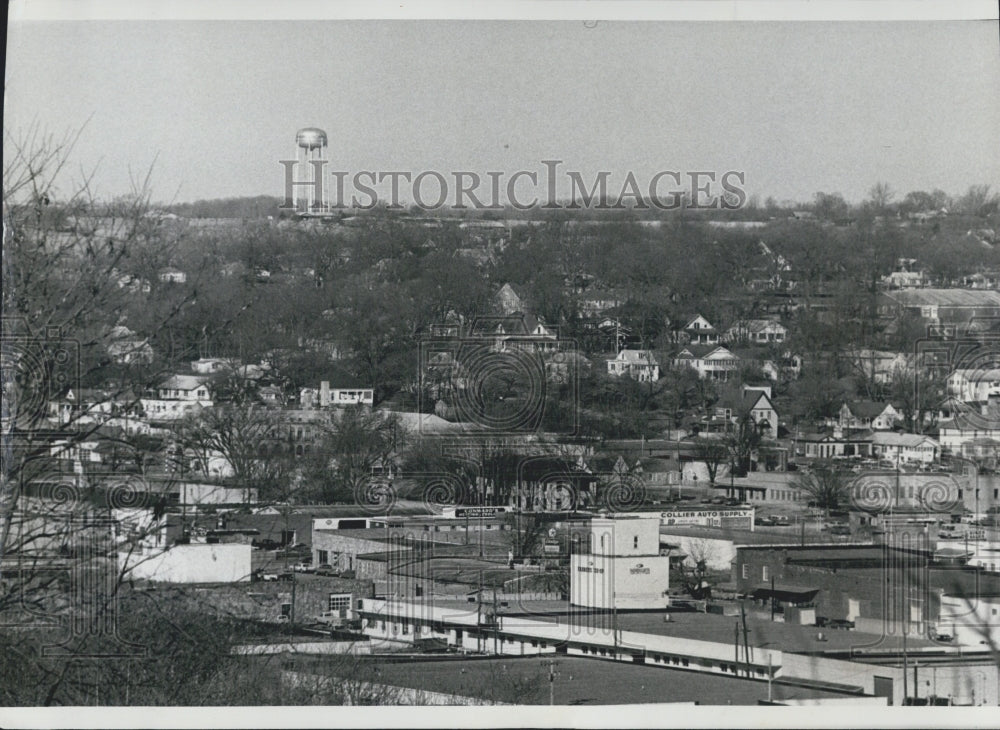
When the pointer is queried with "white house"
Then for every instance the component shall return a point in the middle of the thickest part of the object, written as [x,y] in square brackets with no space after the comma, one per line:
[701,331]
[325,396]
[640,365]
[715,364]
[880,366]
[125,347]
[173,275]
[757,402]
[211,365]
[905,447]
[867,414]
[760,331]
[904,279]
[178,396]
[974,385]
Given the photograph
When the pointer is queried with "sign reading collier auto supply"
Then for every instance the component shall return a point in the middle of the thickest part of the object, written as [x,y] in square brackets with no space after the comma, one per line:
[738,517]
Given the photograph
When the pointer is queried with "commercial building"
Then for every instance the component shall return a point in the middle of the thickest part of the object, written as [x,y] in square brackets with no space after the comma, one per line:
[852,664]
[194,563]
[622,568]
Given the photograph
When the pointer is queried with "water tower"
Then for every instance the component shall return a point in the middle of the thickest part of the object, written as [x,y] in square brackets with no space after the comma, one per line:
[311,143]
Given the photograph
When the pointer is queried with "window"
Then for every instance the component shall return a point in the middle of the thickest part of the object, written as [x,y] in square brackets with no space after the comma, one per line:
[339,602]
[323,555]
[746,571]
[763,573]
[635,542]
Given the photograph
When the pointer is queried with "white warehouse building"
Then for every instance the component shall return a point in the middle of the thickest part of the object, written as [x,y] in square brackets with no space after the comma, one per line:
[623,567]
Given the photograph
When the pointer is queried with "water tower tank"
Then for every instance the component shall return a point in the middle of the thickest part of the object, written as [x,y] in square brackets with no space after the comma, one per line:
[311,138]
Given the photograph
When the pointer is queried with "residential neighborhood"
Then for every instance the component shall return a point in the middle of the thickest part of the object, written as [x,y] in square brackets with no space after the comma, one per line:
[713,423]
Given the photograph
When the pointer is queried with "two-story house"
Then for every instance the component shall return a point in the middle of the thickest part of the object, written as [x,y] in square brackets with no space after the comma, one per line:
[867,414]
[974,385]
[639,365]
[713,363]
[178,396]
[125,347]
[701,332]
[753,402]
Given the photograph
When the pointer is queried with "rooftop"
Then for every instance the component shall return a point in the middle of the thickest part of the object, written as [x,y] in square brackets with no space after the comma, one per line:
[584,681]
[761,632]
[790,535]
[946,297]
[184,382]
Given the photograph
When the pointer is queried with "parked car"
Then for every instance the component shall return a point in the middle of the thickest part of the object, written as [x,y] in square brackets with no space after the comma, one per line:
[840,530]
[303,567]
[325,569]
[269,576]
[718,500]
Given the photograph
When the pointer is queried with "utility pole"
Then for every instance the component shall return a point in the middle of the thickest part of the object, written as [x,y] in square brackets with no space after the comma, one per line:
[736,645]
[746,640]
[552,681]
[772,598]
[769,677]
[906,692]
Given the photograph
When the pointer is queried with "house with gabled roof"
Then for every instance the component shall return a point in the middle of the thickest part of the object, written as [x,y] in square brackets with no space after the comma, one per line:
[178,396]
[516,331]
[753,402]
[866,414]
[902,447]
[639,365]
[760,331]
[701,332]
[714,363]
[125,347]
[509,301]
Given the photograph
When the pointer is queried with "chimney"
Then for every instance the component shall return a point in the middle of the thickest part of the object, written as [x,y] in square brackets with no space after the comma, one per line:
[324,394]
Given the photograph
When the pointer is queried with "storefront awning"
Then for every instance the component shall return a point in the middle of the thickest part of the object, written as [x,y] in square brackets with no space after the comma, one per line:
[785,591]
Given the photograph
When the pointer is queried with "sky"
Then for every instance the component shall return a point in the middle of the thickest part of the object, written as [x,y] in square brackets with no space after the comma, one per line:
[797,107]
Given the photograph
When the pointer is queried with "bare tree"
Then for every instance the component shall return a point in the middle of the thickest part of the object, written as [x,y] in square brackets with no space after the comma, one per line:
[826,485]
[695,569]
[354,441]
[713,452]
[881,195]
[241,435]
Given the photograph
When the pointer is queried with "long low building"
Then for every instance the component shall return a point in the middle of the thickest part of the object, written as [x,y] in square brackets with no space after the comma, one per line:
[478,628]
